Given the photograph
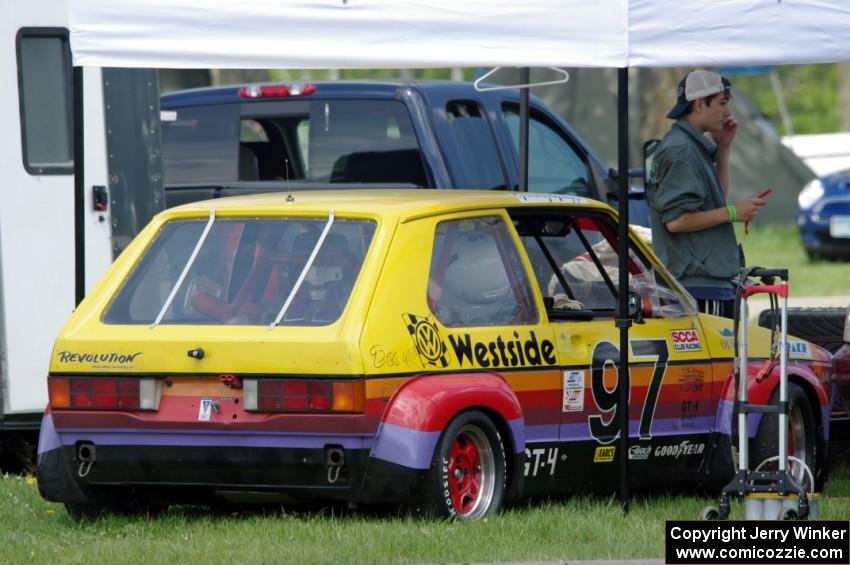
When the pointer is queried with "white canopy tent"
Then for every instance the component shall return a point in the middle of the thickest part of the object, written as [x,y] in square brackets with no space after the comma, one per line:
[450,33]
[466,33]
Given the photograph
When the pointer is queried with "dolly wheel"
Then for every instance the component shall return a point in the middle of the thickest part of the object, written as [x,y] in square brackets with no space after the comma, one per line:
[709,513]
[787,514]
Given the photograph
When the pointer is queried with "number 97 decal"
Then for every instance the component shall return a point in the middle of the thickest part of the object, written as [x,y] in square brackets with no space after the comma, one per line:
[605,428]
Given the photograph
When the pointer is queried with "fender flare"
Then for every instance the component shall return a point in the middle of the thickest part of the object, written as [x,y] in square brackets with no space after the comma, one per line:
[759,393]
[422,407]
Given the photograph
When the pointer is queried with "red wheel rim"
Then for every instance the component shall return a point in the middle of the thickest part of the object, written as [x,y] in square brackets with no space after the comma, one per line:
[465,474]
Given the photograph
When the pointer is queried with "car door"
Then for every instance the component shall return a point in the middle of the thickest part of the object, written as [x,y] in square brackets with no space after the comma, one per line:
[572,253]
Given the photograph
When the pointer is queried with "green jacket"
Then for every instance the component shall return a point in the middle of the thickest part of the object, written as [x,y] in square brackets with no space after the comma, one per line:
[682,178]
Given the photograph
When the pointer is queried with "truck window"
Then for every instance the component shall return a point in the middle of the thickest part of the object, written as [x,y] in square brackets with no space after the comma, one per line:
[44,91]
[332,141]
[472,144]
[363,141]
[554,166]
[200,144]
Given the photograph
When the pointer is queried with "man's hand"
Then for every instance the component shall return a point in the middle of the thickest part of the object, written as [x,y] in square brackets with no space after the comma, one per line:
[746,210]
[724,137]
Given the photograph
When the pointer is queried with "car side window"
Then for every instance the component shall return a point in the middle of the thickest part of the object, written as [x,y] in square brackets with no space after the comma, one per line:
[575,261]
[554,166]
[477,277]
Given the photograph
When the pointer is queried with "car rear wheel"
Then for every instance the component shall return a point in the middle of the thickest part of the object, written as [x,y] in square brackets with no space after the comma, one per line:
[467,475]
[801,436]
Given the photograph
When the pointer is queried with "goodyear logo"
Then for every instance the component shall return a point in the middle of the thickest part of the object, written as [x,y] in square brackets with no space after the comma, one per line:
[427,339]
[604,454]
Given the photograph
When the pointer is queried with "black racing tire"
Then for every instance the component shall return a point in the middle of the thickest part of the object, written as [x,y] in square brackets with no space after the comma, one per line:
[467,476]
[802,437]
[821,326]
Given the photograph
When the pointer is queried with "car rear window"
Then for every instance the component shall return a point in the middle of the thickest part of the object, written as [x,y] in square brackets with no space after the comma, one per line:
[243,272]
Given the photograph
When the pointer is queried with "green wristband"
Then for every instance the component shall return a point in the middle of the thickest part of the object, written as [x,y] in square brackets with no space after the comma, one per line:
[733,216]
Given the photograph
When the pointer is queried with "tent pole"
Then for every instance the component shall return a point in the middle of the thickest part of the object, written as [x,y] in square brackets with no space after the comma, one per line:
[623,321]
[524,78]
[79,186]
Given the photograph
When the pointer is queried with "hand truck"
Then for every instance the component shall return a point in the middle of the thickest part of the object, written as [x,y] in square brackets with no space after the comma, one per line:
[775,494]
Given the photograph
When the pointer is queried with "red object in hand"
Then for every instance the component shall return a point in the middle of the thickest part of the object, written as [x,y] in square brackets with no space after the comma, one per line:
[761,195]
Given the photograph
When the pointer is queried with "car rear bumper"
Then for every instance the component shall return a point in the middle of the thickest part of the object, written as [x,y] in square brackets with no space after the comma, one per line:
[191,467]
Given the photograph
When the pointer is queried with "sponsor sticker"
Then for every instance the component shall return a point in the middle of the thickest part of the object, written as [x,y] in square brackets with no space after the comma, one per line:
[727,338]
[538,198]
[798,349]
[691,379]
[99,360]
[514,350]
[685,340]
[639,452]
[604,454]
[573,391]
[204,410]
[677,450]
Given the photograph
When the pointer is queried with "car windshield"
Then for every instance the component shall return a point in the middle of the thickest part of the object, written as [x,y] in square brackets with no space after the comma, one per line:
[244,271]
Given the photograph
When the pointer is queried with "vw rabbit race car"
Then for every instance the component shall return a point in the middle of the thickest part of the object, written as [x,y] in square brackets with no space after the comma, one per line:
[453,351]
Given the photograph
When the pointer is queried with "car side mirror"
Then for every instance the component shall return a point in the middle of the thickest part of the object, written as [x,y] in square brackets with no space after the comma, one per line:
[635,307]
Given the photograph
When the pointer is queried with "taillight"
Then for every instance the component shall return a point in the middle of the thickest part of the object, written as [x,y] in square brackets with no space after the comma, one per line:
[277,90]
[96,393]
[303,395]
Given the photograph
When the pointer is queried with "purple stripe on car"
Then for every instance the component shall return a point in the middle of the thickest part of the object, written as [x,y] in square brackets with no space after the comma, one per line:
[724,419]
[213,438]
[415,449]
[48,439]
[406,447]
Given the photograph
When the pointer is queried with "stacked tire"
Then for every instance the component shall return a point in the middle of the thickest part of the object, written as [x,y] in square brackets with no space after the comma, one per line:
[821,326]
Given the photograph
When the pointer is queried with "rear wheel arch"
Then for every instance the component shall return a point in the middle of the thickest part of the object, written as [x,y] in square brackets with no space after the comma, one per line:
[421,409]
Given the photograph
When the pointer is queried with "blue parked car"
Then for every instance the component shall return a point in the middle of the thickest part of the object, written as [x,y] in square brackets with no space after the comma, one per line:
[824,216]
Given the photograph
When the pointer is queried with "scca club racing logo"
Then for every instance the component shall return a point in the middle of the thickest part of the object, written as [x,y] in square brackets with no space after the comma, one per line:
[427,339]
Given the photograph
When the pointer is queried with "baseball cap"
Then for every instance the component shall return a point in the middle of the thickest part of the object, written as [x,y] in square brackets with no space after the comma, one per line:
[697,84]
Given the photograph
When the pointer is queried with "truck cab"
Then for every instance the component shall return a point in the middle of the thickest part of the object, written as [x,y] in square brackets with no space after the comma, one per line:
[229,140]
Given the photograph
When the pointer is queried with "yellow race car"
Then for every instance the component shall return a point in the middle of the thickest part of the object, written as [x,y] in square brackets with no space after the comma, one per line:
[453,350]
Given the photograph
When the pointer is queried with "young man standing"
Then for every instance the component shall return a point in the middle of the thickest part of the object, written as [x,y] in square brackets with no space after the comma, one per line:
[687,187]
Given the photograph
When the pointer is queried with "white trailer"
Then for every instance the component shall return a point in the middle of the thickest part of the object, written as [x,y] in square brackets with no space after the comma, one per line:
[58,234]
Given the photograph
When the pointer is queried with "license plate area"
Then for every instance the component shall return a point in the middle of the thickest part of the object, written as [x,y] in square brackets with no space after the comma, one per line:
[839,226]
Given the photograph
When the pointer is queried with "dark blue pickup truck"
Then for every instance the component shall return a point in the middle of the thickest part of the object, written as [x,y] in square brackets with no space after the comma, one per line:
[227,140]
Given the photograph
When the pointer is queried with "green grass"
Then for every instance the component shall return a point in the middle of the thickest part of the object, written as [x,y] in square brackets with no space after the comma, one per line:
[778,245]
[582,527]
